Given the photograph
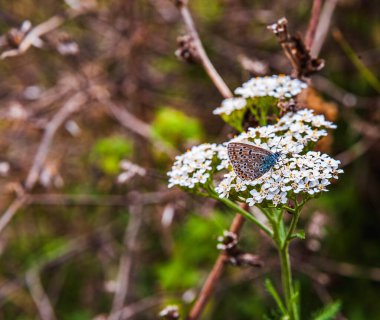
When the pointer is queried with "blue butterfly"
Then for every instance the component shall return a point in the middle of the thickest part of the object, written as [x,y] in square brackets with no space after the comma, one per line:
[251,162]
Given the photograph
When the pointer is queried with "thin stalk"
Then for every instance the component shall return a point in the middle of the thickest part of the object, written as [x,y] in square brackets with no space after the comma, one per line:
[282,244]
[245,214]
[287,282]
[293,225]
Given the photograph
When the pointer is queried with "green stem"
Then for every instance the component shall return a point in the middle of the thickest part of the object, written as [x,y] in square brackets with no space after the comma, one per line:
[293,224]
[282,244]
[245,214]
[287,282]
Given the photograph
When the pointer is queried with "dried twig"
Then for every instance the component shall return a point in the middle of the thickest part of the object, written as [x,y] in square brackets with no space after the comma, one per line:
[210,69]
[214,275]
[11,211]
[365,72]
[39,296]
[115,200]
[323,27]
[68,108]
[295,50]
[43,28]
[71,106]
[310,33]
[131,310]
[348,269]
[371,135]
[123,281]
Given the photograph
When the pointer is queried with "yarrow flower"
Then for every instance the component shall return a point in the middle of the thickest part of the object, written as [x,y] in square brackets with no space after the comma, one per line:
[277,86]
[196,166]
[260,97]
[229,105]
[299,171]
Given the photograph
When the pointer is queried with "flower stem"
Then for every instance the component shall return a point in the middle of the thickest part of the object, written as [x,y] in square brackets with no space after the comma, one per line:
[287,282]
[292,226]
[282,241]
[245,214]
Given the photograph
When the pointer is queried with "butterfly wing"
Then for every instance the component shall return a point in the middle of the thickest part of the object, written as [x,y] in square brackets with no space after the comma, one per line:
[247,160]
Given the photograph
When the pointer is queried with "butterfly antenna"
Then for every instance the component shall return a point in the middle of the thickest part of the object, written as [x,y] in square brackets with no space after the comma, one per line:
[279,141]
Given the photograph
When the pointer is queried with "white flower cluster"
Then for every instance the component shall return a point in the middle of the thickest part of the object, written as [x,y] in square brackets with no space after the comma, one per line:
[297,171]
[196,165]
[308,173]
[230,105]
[291,133]
[277,86]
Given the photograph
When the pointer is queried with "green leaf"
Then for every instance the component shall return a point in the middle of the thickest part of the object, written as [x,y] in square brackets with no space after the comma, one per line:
[328,312]
[300,235]
[270,288]
[208,10]
[108,152]
[175,128]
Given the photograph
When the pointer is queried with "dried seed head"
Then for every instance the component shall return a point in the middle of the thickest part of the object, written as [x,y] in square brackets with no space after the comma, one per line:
[187,50]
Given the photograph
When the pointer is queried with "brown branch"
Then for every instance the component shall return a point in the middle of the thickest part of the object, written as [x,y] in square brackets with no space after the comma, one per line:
[11,211]
[124,277]
[68,108]
[214,275]
[310,33]
[116,200]
[348,269]
[128,312]
[296,51]
[371,135]
[43,28]
[39,296]
[323,27]
[208,66]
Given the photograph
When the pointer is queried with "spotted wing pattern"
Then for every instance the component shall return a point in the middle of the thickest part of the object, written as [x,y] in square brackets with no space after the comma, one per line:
[249,162]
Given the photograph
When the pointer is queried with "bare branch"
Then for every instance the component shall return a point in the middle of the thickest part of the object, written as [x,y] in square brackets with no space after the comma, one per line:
[71,106]
[43,28]
[208,66]
[147,198]
[214,275]
[11,211]
[39,296]
[295,50]
[323,27]
[126,261]
[68,108]
[131,310]
[310,33]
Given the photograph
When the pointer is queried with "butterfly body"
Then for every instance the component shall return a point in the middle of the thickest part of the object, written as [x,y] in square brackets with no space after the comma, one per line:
[251,162]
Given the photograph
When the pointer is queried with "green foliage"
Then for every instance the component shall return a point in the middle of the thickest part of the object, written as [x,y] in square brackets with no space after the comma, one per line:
[208,10]
[259,108]
[175,128]
[328,312]
[107,153]
[53,248]
[271,289]
[299,235]
[194,247]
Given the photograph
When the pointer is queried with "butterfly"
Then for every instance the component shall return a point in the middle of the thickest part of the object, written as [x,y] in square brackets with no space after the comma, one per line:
[251,162]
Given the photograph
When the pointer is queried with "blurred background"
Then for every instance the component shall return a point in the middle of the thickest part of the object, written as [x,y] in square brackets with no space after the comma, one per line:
[93,110]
